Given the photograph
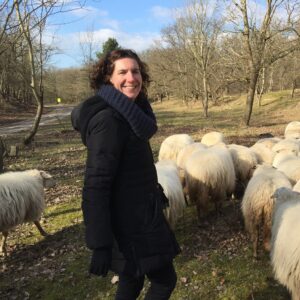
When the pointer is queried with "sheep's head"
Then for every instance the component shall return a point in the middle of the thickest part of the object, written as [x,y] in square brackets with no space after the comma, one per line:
[284,194]
[48,180]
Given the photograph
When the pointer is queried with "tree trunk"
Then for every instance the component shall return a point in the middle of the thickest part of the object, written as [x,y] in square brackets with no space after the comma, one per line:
[293,88]
[250,97]
[205,96]
[2,149]
[262,87]
[29,137]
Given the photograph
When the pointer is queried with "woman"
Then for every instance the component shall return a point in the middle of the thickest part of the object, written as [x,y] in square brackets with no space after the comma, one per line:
[122,201]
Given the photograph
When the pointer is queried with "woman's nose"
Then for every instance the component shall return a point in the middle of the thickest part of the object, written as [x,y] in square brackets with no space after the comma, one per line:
[130,76]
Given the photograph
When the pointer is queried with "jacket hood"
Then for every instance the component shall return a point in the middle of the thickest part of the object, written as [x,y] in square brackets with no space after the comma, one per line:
[84,112]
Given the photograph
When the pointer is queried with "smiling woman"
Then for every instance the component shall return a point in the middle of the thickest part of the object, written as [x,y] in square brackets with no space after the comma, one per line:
[127,77]
[122,202]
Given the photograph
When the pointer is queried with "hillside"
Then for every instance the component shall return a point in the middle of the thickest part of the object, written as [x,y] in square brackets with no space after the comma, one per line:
[215,262]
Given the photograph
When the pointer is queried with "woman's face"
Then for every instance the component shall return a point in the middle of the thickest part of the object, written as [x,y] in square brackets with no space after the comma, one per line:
[127,77]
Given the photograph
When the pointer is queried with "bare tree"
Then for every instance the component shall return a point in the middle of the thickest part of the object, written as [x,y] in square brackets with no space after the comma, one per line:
[261,36]
[32,17]
[203,26]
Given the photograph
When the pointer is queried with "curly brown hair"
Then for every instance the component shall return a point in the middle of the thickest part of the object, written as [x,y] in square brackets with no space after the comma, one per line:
[103,69]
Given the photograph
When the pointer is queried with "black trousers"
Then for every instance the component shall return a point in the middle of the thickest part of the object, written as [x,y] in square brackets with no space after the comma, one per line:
[163,282]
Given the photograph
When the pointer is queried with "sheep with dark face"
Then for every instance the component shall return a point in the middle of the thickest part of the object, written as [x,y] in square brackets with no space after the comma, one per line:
[285,245]
[22,199]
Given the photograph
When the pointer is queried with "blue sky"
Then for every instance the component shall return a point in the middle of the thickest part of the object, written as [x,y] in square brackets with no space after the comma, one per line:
[134,23]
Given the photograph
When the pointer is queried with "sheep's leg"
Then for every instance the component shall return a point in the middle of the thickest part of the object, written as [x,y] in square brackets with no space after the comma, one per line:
[39,227]
[3,243]
[254,238]
[267,237]
[295,295]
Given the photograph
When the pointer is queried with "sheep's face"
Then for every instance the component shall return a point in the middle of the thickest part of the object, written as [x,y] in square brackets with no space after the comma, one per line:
[48,180]
[284,194]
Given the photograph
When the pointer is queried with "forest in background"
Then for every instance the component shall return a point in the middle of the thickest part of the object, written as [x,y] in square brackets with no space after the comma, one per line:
[212,51]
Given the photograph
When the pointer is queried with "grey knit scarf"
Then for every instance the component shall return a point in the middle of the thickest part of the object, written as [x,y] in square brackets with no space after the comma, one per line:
[138,113]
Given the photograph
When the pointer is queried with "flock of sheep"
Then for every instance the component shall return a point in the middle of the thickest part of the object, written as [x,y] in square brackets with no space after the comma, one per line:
[266,176]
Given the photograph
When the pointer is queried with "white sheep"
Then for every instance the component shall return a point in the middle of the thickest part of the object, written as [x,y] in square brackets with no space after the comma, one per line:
[287,146]
[269,142]
[296,187]
[186,152]
[292,130]
[285,243]
[280,157]
[263,153]
[257,204]
[22,200]
[291,168]
[210,177]
[213,138]
[245,161]
[172,145]
[168,177]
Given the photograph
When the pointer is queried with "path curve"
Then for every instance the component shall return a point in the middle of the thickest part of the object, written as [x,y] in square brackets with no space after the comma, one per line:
[58,112]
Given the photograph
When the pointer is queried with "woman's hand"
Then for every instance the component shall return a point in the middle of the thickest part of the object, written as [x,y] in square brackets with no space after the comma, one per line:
[100,262]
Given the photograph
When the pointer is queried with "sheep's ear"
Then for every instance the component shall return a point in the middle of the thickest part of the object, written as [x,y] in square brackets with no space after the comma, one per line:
[45,175]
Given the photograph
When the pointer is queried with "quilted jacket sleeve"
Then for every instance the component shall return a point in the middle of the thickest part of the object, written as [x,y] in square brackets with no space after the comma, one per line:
[105,140]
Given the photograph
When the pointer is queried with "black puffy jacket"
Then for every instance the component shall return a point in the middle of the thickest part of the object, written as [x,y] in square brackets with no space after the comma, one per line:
[121,198]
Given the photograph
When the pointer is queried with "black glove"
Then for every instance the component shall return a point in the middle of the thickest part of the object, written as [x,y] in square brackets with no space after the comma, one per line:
[100,262]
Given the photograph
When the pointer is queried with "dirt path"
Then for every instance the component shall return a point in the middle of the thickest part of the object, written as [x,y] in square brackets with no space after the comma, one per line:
[53,116]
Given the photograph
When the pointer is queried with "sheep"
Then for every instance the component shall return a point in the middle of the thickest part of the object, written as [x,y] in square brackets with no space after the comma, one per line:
[22,200]
[210,177]
[168,177]
[269,142]
[285,243]
[186,152]
[291,168]
[257,203]
[280,157]
[296,187]
[245,161]
[172,145]
[182,157]
[287,146]
[213,138]
[263,153]
[292,130]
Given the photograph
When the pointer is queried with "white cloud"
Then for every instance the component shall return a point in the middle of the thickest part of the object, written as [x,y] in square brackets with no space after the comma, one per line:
[161,12]
[88,11]
[70,44]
